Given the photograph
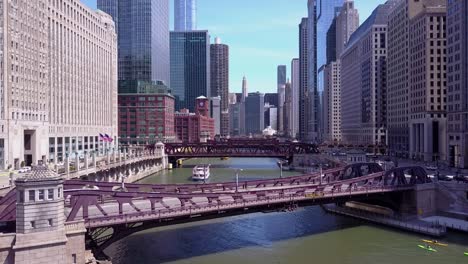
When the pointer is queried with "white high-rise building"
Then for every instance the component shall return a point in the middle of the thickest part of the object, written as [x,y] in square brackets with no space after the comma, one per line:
[58,87]
[295,86]
[332,102]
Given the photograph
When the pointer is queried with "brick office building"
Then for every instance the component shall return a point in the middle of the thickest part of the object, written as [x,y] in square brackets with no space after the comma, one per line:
[146,113]
[195,127]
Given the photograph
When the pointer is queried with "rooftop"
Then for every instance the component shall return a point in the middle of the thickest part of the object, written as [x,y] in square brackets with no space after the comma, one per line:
[39,173]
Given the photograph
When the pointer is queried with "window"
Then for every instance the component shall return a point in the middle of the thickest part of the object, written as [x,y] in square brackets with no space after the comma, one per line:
[32,196]
[41,195]
[74,258]
[50,194]
[21,196]
[33,224]
[59,195]
[51,222]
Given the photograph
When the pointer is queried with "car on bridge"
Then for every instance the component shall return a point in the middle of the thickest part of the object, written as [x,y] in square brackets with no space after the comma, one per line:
[461,178]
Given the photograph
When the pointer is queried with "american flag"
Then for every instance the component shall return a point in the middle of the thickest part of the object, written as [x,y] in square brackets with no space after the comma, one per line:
[108,138]
[102,137]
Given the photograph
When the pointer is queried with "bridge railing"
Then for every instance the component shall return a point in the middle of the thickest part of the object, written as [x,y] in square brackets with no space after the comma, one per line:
[104,164]
[209,187]
[279,198]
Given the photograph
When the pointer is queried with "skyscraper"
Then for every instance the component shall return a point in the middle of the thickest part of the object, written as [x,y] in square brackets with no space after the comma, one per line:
[344,24]
[143,37]
[347,22]
[304,93]
[331,42]
[398,80]
[185,15]
[312,104]
[281,86]
[287,107]
[363,81]
[295,85]
[332,102]
[245,87]
[427,82]
[219,55]
[242,105]
[281,75]
[190,67]
[325,12]
[281,100]
[457,76]
[254,114]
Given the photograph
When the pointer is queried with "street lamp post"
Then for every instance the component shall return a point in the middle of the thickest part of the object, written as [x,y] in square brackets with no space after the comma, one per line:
[237,179]
[280,164]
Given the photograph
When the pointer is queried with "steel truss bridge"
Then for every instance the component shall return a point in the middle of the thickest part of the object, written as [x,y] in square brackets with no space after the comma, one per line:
[111,212]
[239,148]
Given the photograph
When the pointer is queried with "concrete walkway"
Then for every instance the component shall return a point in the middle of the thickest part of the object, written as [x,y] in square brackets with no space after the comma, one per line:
[452,223]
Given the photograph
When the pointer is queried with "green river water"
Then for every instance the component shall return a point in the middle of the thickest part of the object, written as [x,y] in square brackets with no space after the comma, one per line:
[308,235]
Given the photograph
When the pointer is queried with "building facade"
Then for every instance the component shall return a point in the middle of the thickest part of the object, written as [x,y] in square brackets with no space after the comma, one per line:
[215,113]
[254,113]
[304,100]
[143,38]
[287,110]
[363,81]
[195,127]
[54,105]
[243,99]
[295,85]
[332,102]
[219,55]
[313,102]
[325,13]
[271,116]
[146,113]
[427,96]
[235,119]
[281,73]
[457,82]
[190,67]
[281,111]
[347,22]
[185,15]
[398,80]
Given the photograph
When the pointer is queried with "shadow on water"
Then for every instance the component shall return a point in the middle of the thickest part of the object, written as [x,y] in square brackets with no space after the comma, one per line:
[215,236]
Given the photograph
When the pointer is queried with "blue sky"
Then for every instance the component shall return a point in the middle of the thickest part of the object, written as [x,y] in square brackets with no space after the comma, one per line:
[261,34]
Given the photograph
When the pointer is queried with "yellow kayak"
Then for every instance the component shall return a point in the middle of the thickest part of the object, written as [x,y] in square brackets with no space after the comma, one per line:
[434,242]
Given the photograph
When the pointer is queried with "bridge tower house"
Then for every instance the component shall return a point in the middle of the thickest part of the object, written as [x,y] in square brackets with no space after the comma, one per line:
[41,233]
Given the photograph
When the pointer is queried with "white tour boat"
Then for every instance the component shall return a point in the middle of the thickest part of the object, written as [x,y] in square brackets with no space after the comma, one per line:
[201,172]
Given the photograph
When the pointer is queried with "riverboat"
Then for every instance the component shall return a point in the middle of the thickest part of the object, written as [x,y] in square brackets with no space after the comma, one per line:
[201,172]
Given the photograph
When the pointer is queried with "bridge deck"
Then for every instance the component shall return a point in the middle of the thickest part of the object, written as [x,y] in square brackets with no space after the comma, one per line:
[170,208]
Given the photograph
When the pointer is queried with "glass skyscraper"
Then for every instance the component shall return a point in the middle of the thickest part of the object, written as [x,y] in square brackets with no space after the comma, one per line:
[321,14]
[143,37]
[190,67]
[281,75]
[254,113]
[185,15]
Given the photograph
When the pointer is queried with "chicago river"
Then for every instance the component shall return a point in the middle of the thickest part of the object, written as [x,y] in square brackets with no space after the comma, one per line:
[307,235]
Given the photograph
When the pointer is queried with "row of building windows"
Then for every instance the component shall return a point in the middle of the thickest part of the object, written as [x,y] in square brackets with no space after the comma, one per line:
[39,195]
